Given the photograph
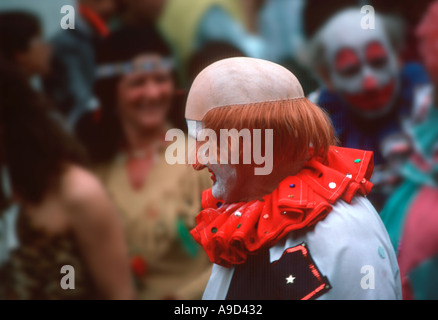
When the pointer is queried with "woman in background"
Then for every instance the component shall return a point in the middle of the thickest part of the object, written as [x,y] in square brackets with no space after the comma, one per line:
[21,43]
[64,217]
[126,140]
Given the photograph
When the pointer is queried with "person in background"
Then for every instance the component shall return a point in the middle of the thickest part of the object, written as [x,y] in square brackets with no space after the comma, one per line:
[24,48]
[65,217]
[208,54]
[158,202]
[22,43]
[206,21]
[366,90]
[411,12]
[59,213]
[281,25]
[317,12]
[411,214]
[70,83]
[141,13]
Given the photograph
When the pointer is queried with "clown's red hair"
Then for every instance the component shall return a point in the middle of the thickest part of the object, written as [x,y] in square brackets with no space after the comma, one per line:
[298,126]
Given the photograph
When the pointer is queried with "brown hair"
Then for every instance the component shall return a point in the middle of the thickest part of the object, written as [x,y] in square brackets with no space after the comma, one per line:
[33,146]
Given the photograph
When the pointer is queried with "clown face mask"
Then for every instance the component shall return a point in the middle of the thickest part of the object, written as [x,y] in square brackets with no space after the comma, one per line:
[362,66]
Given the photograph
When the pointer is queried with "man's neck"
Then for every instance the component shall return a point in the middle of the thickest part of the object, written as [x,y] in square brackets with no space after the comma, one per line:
[260,186]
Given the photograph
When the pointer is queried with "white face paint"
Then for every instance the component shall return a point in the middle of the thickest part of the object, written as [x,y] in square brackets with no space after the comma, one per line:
[224,176]
[225,180]
[194,127]
[363,67]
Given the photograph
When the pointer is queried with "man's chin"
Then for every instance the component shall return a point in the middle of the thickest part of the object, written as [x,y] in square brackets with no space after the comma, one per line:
[220,193]
[217,192]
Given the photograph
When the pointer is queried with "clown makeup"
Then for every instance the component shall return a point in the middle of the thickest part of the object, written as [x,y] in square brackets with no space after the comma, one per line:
[363,67]
[224,176]
[225,181]
[223,104]
[372,95]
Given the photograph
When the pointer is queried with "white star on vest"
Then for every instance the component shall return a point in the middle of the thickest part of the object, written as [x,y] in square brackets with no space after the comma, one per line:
[290,279]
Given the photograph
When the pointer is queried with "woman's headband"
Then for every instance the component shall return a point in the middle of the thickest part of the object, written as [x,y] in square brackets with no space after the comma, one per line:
[146,63]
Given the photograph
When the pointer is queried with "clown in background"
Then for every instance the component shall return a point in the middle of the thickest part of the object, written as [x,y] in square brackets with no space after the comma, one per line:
[411,214]
[366,90]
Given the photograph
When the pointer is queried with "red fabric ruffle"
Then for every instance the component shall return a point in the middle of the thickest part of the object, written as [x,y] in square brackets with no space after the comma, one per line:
[230,232]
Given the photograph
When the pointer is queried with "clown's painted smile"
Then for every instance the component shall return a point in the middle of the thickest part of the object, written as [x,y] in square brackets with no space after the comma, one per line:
[374,99]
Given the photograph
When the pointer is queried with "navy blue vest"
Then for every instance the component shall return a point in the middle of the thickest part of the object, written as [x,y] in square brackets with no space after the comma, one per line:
[294,276]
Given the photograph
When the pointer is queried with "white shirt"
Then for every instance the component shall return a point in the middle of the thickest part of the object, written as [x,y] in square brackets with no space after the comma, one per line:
[351,247]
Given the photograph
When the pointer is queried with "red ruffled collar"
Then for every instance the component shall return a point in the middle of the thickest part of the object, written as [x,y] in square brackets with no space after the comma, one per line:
[230,232]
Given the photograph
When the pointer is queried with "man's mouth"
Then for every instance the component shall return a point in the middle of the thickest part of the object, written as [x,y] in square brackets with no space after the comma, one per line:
[213,177]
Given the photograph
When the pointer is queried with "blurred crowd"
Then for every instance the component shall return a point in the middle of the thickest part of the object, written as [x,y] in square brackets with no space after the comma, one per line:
[83,116]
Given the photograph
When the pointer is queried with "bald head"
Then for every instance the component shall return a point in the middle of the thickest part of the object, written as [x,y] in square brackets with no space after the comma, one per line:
[238,81]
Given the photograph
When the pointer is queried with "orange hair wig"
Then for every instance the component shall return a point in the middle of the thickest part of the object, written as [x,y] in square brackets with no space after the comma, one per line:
[301,130]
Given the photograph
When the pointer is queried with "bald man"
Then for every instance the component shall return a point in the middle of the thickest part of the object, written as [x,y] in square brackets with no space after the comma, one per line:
[304,230]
